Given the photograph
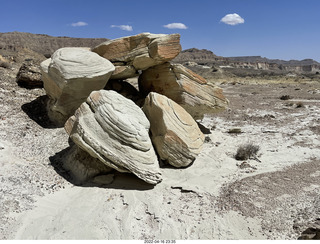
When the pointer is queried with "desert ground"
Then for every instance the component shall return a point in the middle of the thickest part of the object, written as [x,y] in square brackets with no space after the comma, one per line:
[275,195]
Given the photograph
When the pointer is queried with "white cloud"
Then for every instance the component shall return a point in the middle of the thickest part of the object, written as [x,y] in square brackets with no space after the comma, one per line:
[176,26]
[232,19]
[80,23]
[123,27]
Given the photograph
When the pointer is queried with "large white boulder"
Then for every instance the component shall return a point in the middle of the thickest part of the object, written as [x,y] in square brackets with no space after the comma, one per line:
[115,130]
[69,76]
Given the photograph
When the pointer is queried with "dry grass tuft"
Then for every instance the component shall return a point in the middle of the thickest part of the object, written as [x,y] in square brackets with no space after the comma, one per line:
[247,151]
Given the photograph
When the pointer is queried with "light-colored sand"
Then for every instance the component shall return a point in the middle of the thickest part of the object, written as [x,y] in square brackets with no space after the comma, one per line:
[181,207]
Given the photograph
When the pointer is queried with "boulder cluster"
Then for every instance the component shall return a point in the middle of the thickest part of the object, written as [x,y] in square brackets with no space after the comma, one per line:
[125,128]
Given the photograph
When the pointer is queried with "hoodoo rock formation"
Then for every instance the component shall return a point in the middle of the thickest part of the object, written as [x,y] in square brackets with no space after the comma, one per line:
[69,76]
[105,119]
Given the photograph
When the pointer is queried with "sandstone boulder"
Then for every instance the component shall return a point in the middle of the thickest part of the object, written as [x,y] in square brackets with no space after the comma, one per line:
[29,75]
[139,52]
[113,129]
[185,87]
[69,76]
[175,134]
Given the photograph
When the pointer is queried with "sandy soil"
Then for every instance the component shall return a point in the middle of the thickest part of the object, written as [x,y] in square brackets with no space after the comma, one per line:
[275,197]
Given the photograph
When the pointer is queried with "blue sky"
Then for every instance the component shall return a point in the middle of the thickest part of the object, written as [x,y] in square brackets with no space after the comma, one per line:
[284,29]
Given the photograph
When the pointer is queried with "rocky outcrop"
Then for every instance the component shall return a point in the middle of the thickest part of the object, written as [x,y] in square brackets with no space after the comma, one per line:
[185,87]
[175,135]
[139,52]
[29,75]
[102,115]
[69,77]
[115,130]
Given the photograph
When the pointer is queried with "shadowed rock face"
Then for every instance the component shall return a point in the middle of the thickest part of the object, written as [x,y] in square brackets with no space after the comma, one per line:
[115,130]
[139,52]
[69,77]
[175,135]
[185,87]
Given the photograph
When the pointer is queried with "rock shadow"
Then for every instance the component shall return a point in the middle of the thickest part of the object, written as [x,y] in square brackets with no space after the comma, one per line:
[36,110]
[310,234]
[203,129]
[115,180]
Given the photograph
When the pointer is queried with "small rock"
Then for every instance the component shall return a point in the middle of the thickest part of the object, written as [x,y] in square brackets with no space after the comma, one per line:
[207,139]
[244,165]
[29,75]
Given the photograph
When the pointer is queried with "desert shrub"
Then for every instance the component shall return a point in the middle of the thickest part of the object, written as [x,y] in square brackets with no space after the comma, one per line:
[247,151]
[285,97]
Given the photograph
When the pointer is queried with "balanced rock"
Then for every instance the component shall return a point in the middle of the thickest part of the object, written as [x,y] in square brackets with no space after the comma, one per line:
[113,129]
[174,133]
[139,52]
[185,87]
[69,76]
[29,75]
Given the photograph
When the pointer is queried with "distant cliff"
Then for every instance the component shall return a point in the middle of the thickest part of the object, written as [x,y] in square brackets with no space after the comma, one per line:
[259,59]
[206,57]
[199,56]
